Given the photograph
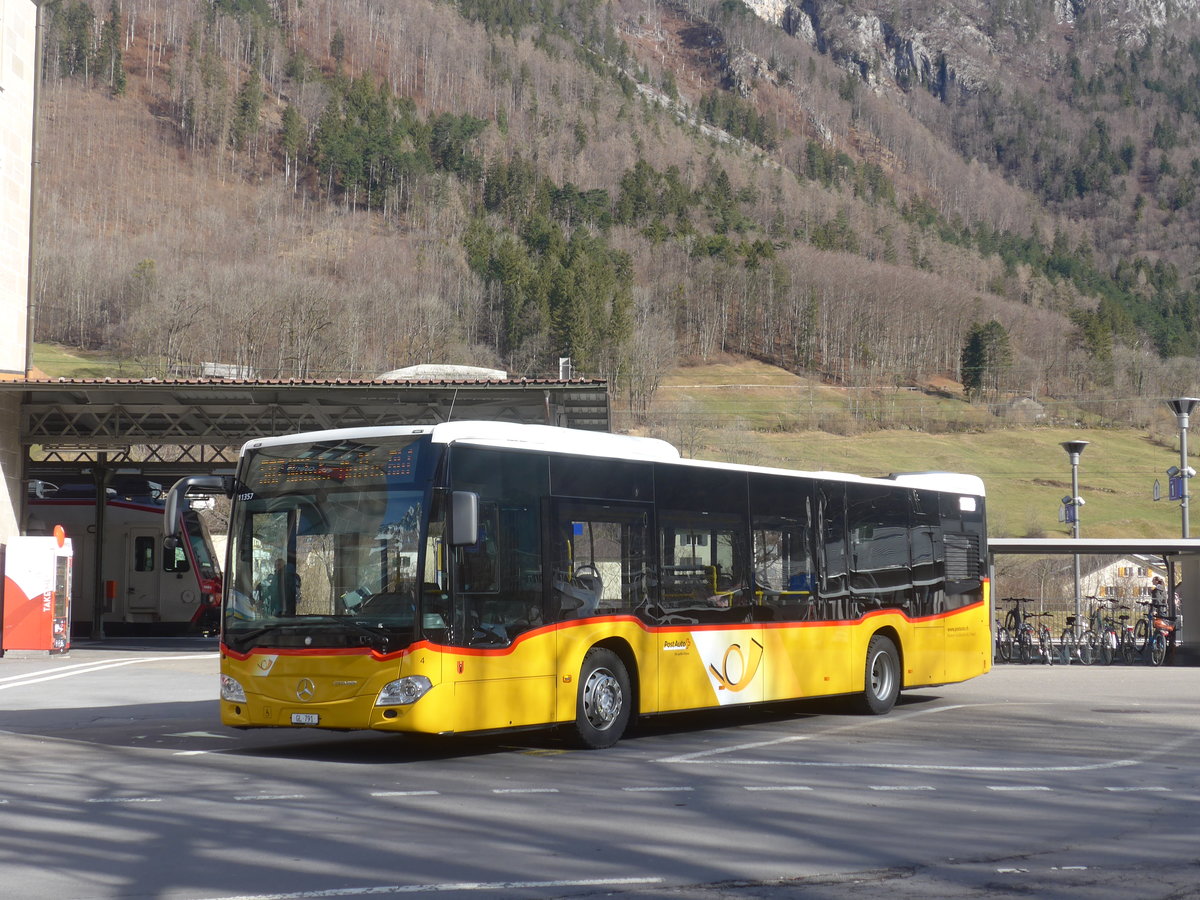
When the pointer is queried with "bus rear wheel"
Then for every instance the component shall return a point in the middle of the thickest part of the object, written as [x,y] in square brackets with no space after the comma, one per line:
[882,677]
[602,706]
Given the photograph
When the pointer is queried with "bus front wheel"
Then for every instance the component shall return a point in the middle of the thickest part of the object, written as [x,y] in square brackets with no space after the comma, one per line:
[602,706]
[882,684]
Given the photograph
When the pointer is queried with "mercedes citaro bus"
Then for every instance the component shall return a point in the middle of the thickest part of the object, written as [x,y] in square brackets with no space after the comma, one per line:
[480,576]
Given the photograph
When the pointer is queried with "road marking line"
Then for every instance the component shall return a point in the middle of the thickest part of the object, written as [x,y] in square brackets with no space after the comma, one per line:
[445,888]
[651,789]
[1131,789]
[524,790]
[96,663]
[1018,787]
[403,793]
[901,787]
[88,668]
[909,767]
[125,800]
[876,722]
[778,787]
[253,798]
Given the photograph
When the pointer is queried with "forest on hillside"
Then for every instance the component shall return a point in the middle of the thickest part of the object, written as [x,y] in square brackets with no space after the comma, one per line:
[335,188]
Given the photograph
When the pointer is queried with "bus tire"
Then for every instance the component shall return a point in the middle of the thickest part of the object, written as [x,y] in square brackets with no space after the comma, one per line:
[603,703]
[881,684]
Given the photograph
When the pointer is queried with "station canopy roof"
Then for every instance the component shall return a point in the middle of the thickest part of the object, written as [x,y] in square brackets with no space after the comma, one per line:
[1094,546]
[186,425]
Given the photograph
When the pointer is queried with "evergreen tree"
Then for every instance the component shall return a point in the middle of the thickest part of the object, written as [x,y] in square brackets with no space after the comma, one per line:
[337,46]
[986,357]
[109,63]
[246,108]
[73,27]
[291,140]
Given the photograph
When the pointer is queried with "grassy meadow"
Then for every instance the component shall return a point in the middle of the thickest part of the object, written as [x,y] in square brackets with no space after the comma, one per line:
[753,413]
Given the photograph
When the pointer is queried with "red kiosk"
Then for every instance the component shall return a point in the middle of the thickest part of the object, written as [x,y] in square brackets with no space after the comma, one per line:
[36,612]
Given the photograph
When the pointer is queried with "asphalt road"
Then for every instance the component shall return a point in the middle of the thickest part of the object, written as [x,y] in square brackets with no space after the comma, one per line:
[117,781]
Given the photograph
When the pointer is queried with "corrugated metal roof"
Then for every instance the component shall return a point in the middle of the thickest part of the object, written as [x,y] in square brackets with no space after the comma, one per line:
[302,382]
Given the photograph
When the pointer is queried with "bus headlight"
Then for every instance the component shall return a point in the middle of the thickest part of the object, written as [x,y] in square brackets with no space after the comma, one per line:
[232,690]
[404,691]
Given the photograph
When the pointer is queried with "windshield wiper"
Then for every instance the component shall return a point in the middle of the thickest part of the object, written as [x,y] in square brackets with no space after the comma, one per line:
[302,632]
[375,632]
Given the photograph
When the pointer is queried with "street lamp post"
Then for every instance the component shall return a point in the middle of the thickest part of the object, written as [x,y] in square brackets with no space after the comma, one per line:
[1074,502]
[1182,407]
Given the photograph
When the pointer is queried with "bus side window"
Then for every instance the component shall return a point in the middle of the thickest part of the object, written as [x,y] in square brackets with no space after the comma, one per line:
[831,545]
[928,555]
[704,566]
[704,544]
[783,570]
[495,585]
[878,528]
[783,528]
[601,559]
[477,562]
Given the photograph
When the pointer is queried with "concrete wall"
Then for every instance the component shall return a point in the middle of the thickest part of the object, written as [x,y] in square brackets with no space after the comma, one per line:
[18,55]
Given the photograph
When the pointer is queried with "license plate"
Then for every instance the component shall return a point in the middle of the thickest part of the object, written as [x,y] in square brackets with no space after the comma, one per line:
[305,718]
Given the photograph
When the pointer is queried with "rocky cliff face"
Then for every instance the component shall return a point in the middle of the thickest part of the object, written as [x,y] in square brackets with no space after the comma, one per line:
[962,47]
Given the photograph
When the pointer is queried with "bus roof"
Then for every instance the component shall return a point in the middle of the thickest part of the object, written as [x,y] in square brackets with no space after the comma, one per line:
[553,439]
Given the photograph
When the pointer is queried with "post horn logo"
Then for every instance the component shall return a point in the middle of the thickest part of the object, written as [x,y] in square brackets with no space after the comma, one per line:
[745,666]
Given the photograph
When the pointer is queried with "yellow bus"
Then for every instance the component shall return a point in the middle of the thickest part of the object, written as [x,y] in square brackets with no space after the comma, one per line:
[482,576]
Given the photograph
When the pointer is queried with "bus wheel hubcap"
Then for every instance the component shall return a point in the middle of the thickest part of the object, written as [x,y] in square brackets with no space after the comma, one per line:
[881,676]
[601,698]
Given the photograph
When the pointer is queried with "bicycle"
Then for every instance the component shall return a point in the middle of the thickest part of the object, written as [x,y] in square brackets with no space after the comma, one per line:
[1004,643]
[1087,641]
[1012,639]
[1152,632]
[1028,641]
[1041,634]
[1119,639]
[1110,636]
[1080,646]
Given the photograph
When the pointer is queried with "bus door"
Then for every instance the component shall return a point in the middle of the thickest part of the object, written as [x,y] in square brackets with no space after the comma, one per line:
[600,579]
[927,662]
[502,661]
[712,650]
[968,650]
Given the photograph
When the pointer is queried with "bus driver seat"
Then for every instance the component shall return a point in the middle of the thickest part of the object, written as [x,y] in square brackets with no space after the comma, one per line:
[580,594]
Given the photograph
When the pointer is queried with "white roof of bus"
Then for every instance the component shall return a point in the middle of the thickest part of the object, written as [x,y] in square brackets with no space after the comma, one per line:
[555,439]
[577,442]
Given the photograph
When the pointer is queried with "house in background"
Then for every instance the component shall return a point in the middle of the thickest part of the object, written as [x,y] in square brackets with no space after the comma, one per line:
[1050,579]
[1120,577]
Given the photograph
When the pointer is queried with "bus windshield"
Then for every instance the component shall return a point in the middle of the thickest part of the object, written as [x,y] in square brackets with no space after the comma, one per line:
[327,542]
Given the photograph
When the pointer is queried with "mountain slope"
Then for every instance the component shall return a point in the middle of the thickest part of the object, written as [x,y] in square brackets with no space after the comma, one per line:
[338,188]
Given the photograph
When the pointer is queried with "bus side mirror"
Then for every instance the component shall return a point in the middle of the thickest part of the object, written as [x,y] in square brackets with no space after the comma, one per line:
[174,558]
[175,498]
[464,518]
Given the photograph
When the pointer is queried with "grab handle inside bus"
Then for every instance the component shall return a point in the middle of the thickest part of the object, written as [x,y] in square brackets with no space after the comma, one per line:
[464,518]
[173,502]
